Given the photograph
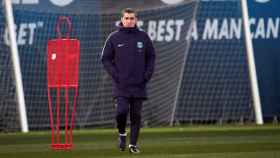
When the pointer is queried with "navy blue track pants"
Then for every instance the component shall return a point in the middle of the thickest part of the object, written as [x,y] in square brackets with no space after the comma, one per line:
[133,106]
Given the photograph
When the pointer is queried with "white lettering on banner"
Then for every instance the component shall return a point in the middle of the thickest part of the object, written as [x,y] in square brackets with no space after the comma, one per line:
[235,28]
[192,32]
[260,31]
[165,30]
[210,29]
[273,28]
[25,33]
[160,30]
[170,31]
[21,38]
[224,31]
[265,30]
[232,28]
[179,23]
[152,29]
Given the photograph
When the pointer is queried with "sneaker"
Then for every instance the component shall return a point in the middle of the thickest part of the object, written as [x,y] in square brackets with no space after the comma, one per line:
[133,149]
[122,142]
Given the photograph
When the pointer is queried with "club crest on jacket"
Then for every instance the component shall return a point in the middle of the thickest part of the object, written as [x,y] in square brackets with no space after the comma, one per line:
[140,45]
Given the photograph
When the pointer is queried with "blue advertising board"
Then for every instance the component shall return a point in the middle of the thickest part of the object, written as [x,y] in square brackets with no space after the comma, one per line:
[265,17]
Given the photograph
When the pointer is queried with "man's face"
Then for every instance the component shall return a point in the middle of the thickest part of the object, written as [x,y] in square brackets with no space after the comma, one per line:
[129,20]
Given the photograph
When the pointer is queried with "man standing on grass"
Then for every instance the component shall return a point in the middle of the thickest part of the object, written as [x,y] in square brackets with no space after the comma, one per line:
[129,58]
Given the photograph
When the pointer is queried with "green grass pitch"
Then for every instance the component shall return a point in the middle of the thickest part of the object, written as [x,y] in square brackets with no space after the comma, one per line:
[178,142]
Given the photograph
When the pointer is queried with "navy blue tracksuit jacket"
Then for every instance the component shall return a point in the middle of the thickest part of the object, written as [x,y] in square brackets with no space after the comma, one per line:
[129,57]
